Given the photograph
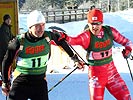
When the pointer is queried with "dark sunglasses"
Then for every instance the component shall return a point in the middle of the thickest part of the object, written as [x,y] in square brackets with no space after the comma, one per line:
[96,23]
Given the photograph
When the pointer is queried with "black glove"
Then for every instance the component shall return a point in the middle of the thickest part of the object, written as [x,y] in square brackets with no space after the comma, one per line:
[60,35]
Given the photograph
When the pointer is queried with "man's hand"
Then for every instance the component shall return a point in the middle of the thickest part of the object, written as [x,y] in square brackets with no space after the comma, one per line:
[59,32]
[80,65]
[6,88]
[127,52]
[60,35]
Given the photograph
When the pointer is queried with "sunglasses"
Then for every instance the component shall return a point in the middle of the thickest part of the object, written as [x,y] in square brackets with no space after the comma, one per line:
[96,23]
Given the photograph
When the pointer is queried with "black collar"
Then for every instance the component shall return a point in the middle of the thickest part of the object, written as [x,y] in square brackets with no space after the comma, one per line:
[31,38]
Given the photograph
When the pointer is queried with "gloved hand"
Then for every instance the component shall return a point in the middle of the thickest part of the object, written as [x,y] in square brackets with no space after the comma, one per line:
[77,62]
[80,65]
[5,88]
[127,52]
[59,32]
[60,35]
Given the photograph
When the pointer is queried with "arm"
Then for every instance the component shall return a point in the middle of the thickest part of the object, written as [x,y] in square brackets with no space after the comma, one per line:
[62,43]
[121,39]
[83,39]
[13,47]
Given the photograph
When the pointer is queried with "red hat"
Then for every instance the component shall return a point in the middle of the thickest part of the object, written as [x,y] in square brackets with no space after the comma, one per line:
[95,15]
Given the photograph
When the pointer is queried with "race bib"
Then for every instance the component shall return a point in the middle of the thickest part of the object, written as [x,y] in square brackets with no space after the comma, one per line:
[100,55]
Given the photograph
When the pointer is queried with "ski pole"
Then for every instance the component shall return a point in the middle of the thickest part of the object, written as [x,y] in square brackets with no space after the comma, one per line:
[77,53]
[129,69]
[61,80]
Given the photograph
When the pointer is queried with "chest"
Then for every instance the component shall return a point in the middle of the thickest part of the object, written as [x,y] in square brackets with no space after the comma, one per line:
[34,49]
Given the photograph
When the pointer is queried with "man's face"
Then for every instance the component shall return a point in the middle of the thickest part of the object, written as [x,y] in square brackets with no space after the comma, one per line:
[37,30]
[95,27]
[8,21]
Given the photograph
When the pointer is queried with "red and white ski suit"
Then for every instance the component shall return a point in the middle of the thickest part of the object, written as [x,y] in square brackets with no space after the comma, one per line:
[104,75]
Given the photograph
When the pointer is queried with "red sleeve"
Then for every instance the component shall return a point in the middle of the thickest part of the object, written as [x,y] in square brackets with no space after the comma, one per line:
[82,39]
[120,38]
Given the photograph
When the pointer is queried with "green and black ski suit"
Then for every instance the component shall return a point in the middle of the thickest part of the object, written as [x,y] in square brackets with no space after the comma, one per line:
[29,75]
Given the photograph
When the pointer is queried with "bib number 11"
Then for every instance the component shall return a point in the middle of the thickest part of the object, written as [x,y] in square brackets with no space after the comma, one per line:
[36,62]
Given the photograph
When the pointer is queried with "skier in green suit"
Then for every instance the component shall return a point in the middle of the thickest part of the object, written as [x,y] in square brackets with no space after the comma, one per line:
[32,51]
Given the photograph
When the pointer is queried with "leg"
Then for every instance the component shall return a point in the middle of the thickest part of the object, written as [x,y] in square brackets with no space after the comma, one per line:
[116,85]
[19,90]
[17,93]
[96,90]
[97,81]
[118,88]
[40,92]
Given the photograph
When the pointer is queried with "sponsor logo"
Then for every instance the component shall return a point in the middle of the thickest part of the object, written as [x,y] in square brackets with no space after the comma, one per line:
[94,18]
[102,44]
[34,50]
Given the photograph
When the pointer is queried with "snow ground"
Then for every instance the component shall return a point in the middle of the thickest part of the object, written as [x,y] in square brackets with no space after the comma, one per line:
[75,87]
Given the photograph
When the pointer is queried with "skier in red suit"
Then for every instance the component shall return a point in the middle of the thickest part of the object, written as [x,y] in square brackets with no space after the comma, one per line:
[97,40]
